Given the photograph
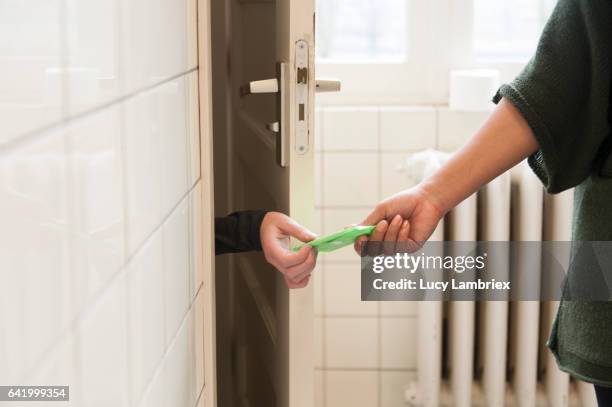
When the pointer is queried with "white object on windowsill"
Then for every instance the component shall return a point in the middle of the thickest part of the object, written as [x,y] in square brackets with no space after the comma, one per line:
[472,89]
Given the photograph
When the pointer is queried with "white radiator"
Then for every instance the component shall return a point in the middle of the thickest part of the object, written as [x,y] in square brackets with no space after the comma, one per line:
[493,353]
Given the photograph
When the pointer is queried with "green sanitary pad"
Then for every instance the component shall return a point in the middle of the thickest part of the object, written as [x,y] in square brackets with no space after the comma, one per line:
[338,240]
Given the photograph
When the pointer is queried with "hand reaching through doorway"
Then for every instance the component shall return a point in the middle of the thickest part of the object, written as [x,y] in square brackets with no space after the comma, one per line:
[246,231]
[276,229]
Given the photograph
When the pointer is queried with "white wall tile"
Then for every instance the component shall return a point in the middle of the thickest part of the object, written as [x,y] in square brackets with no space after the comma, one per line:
[318,181]
[59,366]
[97,200]
[350,179]
[350,128]
[394,177]
[456,127]
[343,292]
[192,33]
[398,308]
[103,349]
[30,55]
[317,280]
[355,389]
[171,100]
[407,128]
[149,53]
[179,380]
[34,255]
[393,386]
[146,342]
[335,220]
[176,267]
[351,342]
[155,394]
[92,36]
[77,202]
[397,350]
[193,126]
[318,342]
[317,226]
[143,168]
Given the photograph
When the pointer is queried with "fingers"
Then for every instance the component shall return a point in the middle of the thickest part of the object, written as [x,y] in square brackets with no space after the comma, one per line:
[294,229]
[379,233]
[296,267]
[402,236]
[392,235]
[394,229]
[374,246]
[299,271]
[359,243]
[378,214]
[377,236]
[282,258]
[297,284]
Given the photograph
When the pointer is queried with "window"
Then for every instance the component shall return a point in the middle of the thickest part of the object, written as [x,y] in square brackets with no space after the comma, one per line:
[508,29]
[401,51]
[361,30]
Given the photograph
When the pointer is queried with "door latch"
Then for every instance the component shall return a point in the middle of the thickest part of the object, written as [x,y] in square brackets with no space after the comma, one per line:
[273,85]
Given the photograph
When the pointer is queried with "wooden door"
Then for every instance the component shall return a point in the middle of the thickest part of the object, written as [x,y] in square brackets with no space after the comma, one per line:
[274,170]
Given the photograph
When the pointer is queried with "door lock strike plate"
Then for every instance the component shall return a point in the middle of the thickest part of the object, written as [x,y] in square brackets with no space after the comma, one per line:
[302,75]
[301,102]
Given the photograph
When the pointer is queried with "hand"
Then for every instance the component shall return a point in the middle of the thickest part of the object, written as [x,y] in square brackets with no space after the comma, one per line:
[275,231]
[410,216]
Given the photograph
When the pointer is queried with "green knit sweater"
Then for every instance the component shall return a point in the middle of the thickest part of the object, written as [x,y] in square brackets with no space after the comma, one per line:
[564,93]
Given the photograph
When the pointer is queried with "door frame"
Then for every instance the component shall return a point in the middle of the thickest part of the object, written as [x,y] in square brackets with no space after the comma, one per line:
[209,394]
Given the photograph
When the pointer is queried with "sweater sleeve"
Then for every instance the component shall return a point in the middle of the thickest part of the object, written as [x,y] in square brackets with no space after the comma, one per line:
[564,93]
[238,232]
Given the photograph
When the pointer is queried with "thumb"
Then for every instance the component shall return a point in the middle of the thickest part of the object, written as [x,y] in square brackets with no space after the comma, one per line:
[375,216]
[294,229]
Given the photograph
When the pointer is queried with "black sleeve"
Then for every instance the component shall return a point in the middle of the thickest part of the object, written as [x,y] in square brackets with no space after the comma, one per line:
[238,232]
[564,92]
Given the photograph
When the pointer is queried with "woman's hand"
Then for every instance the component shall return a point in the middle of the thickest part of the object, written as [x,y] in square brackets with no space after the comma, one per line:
[276,228]
[409,216]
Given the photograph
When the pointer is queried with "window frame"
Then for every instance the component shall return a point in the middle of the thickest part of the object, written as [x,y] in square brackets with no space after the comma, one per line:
[435,28]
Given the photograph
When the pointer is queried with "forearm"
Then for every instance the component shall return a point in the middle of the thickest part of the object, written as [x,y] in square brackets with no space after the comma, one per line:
[238,232]
[503,141]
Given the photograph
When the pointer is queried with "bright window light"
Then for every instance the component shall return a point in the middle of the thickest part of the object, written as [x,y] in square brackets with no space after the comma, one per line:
[509,29]
[361,31]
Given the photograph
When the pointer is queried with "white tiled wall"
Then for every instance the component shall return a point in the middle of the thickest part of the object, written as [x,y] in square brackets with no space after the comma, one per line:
[365,351]
[100,201]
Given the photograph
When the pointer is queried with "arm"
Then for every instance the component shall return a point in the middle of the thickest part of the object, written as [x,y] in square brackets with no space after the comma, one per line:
[503,141]
[238,232]
[269,232]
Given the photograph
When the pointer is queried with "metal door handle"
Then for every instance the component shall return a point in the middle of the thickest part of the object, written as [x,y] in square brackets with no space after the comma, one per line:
[262,86]
[328,85]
